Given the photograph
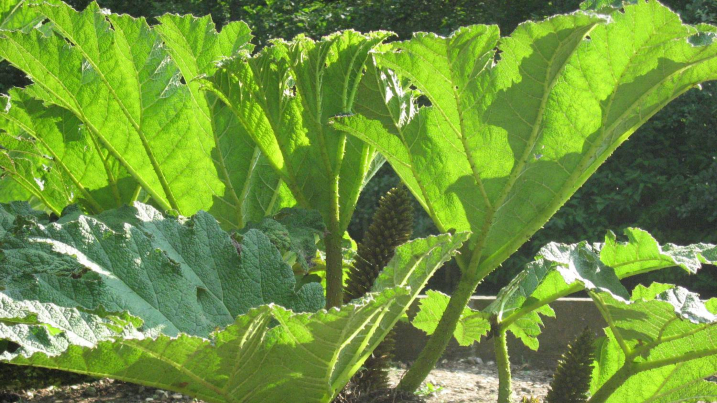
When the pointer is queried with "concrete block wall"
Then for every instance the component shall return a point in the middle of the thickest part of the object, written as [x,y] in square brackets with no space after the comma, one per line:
[572,315]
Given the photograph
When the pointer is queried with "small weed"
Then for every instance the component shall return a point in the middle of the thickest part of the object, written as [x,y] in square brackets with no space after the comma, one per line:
[428,389]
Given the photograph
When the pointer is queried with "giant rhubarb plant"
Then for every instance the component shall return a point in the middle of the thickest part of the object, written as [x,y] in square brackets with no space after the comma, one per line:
[177,303]
[284,96]
[517,124]
[116,114]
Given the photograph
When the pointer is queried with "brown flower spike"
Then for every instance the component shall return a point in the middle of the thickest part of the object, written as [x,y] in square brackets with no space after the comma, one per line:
[391,226]
[571,380]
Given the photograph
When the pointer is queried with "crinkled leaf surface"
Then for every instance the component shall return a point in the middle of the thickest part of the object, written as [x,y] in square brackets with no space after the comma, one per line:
[669,338]
[179,275]
[115,108]
[295,232]
[517,124]
[284,97]
[11,211]
[314,354]
[14,15]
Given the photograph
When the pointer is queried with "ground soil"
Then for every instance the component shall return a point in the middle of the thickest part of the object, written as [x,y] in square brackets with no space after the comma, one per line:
[473,381]
[469,380]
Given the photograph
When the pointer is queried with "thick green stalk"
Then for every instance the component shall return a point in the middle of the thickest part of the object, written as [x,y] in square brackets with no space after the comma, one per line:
[438,342]
[505,392]
[334,267]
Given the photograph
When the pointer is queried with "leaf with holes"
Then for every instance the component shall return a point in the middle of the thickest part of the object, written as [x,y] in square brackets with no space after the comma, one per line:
[530,123]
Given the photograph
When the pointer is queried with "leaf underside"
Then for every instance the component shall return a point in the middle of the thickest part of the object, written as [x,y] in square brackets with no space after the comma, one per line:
[285,95]
[563,269]
[115,113]
[517,124]
[673,331]
[175,303]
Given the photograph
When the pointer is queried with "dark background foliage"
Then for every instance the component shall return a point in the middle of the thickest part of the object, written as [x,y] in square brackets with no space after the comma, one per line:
[663,180]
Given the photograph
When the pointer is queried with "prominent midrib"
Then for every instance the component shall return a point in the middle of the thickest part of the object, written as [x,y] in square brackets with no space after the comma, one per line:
[660,394]
[255,92]
[318,86]
[585,164]
[106,165]
[77,110]
[656,394]
[346,341]
[548,85]
[383,312]
[518,169]
[229,185]
[145,143]
[286,174]
[132,379]
[283,325]
[605,312]
[437,105]
[31,189]
[348,100]
[411,165]
[344,215]
[247,187]
[256,332]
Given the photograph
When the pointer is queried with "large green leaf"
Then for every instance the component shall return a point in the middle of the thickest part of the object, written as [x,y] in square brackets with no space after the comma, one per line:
[660,347]
[516,125]
[132,259]
[252,188]
[115,113]
[51,155]
[284,97]
[111,72]
[561,270]
[174,273]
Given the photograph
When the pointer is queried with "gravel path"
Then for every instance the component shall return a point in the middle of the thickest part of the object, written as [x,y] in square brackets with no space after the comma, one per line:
[476,382]
[467,381]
